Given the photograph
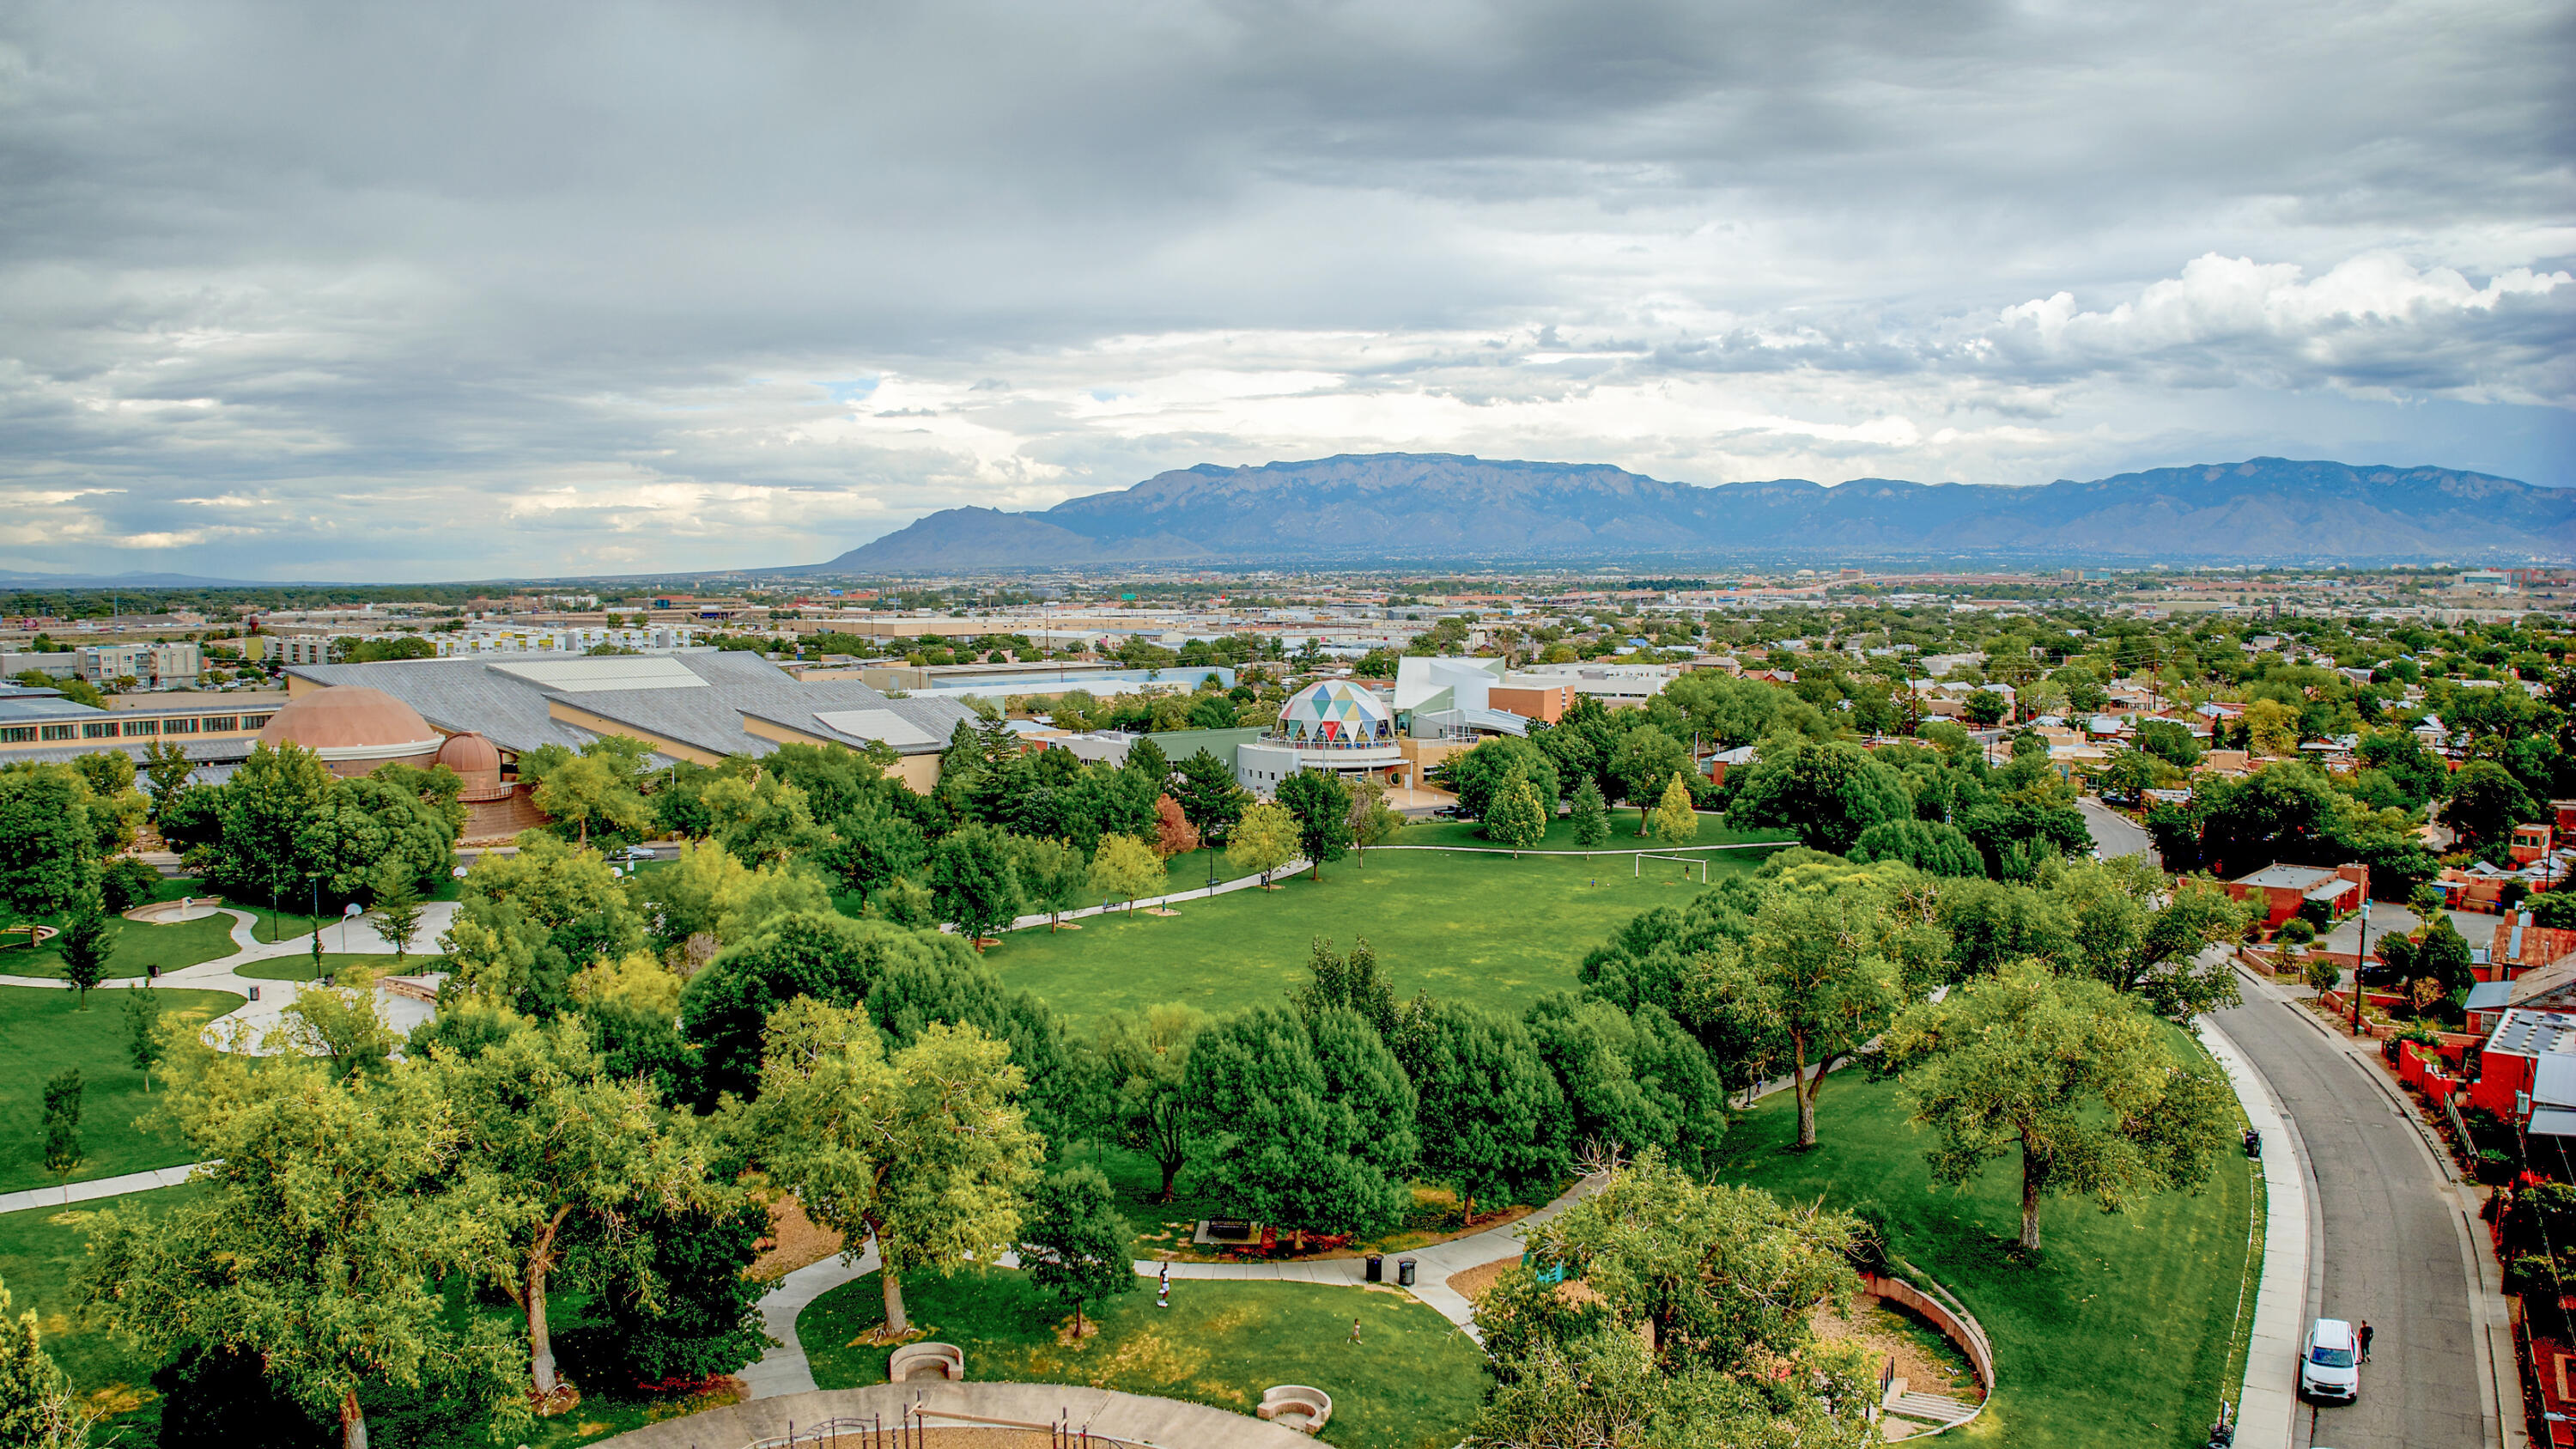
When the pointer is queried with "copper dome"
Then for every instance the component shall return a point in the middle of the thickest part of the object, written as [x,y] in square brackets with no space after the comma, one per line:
[477,761]
[354,729]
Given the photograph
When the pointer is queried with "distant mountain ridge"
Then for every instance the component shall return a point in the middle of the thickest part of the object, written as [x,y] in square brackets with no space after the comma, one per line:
[1440,507]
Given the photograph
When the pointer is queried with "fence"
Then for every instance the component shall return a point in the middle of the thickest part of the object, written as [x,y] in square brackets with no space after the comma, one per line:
[912,1426]
[1684,861]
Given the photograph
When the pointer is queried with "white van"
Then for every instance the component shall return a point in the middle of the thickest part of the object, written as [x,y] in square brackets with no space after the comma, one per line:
[2330,1363]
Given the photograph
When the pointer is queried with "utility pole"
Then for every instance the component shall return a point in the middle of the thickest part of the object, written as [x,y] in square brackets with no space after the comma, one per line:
[2360,954]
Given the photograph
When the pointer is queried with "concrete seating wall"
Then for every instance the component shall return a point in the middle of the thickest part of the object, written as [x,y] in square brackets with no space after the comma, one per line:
[1296,1406]
[1955,1326]
[926,1361]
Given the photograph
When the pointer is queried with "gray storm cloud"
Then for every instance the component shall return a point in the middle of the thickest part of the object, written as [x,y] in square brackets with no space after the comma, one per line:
[294,292]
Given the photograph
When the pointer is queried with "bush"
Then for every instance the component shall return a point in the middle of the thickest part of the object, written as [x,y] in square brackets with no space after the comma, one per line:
[2297,931]
[2324,975]
[125,883]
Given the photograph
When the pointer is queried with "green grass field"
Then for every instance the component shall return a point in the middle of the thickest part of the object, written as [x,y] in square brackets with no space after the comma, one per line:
[1486,928]
[39,1251]
[43,1031]
[137,948]
[2125,1332]
[1560,834]
[300,968]
[1413,1382]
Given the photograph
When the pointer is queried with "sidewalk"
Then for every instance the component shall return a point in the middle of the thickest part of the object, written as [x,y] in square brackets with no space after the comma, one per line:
[94,1189]
[2267,1406]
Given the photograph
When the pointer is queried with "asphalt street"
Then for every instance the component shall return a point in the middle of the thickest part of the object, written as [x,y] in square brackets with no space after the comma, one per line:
[2114,834]
[2389,1241]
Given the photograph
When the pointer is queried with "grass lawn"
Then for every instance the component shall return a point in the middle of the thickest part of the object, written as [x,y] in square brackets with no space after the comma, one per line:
[1483,928]
[1560,834]
[1412,1383]
[2125,1332]
[300,968]
[135,950]
[42,1032]
[39,1250]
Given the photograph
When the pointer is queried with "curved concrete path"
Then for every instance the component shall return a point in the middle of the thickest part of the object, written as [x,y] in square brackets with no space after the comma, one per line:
[783,1369]
[1135,1418]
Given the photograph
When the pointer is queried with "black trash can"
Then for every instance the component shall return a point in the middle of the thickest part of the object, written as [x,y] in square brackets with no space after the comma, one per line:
[1404,1271]
[1377,1267]
[254,993]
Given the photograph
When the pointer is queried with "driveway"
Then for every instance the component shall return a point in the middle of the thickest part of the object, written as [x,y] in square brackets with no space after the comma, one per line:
[2390,1242]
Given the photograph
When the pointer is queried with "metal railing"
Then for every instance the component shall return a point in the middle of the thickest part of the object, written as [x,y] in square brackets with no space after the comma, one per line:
[1310,742]
[912,1426]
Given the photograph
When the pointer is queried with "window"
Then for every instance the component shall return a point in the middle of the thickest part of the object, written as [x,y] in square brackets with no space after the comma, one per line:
[62,732]
[219,724]
[135,727]
[103,730]
[178,727]
[253,721]
[16,734]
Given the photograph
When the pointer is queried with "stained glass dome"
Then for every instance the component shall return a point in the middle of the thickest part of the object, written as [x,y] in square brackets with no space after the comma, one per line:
[1336,712]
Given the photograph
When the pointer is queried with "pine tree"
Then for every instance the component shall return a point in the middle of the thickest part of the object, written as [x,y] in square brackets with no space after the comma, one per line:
[1674,821]
[62,1123]
[1591,815]
[87,943]
[398,907]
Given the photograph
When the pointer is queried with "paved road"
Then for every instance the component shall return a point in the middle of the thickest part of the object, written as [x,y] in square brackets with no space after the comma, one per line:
[2389,1245]
[2113,833]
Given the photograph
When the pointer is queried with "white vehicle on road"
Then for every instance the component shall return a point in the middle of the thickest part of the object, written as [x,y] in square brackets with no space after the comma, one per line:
[2330,1362]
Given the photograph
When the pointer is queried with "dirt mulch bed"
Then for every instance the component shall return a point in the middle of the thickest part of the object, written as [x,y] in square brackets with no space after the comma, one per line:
[1922,1371]
[798,1241]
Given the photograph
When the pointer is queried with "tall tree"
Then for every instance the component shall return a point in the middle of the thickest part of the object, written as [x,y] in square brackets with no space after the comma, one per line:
[62,1120]
[1308,1127]
[2067,1072]
[972,876]
[86,944]
[1262,841]
[928,1152]
[1821,971]
[1209,794]
[546,1140]
[1321,804]
[1630,1082]
[1144,1059]
[1052,875]
[316,1240]
[166,768]
[1827,793]
[1590,814]
[143,1044]
[399,908]
[1173,833]
[525,923]
[593,793]
[2485,804]
[1075,1244]
[1647,758]
[1491,1118]
[1673,821]
[1373,821]
[1513,819]
[1125,867]
[48,848]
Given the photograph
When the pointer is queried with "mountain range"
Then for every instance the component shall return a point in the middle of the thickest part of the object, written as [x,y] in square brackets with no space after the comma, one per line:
[1445,507]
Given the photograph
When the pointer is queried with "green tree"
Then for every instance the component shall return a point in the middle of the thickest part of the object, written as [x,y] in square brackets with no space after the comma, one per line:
[928,1152]
[2065,1070]
[1373,821]
[1590,814]
[525,923]
[166,767]
[1262,841]
[1308,1127]
[1052,875]
[316,1241]
[2272,728]
[1673,821]
[1209,795]
[1075,1244]
[1934,847]
[1645,759]
[338,1024]
[1513,819]
[61,1123]
[1321,804]
[1827,793]
[1144,1059]
[86,944]
[972,877]
[1984,708]
[2485,804]
[38,1409]
[1125,868]
[1630,1082]
[266,802]
[762,819]
[398,907]
[1821,971]
[48,850]
[1717,1276]
[143,1044]
[547,1142]
[1484,770]
[1490,1116]
[593,792]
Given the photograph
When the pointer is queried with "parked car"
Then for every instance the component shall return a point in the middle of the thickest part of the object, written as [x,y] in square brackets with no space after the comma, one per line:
[2330,1364]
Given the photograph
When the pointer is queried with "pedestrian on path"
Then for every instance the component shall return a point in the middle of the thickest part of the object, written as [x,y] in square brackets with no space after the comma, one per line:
[1164,1298]
[2365,1340]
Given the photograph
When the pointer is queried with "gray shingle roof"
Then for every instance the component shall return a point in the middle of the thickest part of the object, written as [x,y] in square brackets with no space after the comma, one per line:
[473,694]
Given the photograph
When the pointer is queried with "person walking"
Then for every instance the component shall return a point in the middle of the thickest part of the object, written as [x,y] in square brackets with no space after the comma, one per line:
[2365,1340]
[1164,1298]
[1355,1330]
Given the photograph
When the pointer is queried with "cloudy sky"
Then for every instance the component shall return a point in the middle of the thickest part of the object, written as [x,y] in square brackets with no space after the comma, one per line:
[396,292]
